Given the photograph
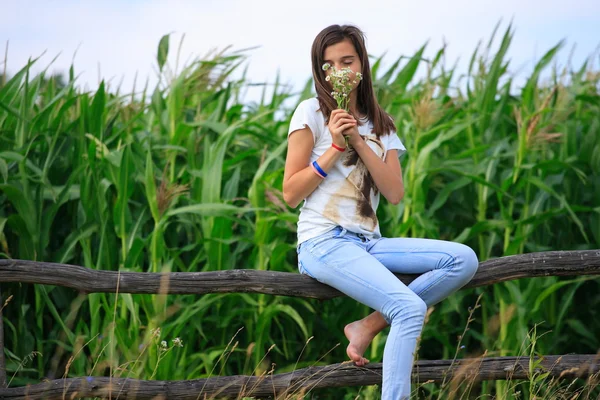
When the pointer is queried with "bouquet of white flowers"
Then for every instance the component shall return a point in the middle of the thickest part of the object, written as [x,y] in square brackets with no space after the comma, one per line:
[342,85]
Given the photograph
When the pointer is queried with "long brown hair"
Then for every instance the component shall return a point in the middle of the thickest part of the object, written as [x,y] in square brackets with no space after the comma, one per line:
[366,101]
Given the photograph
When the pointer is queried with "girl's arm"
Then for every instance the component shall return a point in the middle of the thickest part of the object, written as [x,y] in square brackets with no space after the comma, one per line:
[299,179]
[387,175]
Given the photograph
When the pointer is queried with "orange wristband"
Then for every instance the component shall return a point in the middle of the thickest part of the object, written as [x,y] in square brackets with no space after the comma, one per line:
[338,147]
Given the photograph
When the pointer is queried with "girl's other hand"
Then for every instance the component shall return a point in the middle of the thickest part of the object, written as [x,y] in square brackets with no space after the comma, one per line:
[339,123]
[352,134]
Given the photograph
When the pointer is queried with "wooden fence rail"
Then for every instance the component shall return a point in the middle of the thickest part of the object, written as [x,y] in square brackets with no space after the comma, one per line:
[303,380]
[554,263]
[86,280]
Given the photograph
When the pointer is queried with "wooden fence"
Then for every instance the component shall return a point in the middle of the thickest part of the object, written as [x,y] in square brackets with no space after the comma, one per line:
[85,280]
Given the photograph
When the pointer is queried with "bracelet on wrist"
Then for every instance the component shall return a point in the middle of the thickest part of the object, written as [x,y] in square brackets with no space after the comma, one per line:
[338,147]
[316,172]
[319,170]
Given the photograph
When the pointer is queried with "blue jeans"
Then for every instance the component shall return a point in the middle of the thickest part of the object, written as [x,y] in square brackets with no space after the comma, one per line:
[362,269]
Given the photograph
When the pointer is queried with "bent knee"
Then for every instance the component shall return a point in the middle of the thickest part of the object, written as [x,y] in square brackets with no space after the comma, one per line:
[418,307]
[411,308]
[470,262]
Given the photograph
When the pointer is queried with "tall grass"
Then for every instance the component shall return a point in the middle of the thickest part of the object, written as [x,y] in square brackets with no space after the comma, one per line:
[187,176]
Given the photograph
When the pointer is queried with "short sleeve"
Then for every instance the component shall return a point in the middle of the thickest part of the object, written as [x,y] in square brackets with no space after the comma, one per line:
[305,116]
[394,143]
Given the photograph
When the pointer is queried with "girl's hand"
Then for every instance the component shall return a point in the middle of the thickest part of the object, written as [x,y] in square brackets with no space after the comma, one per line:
[352,134]
[339,123]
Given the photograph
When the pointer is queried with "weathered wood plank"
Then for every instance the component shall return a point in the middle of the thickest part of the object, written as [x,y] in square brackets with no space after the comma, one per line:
[554,263]
[337,375]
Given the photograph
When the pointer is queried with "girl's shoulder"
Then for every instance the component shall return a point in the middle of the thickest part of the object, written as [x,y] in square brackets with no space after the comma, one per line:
[307,114]
[310,105]
[309,109]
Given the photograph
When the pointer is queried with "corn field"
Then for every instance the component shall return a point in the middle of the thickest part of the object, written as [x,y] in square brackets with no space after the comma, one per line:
[187,176]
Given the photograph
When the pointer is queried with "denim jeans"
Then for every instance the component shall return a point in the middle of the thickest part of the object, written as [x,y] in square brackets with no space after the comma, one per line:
[362,269]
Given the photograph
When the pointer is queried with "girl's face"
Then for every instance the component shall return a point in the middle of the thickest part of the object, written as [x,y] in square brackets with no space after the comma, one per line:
[343,55]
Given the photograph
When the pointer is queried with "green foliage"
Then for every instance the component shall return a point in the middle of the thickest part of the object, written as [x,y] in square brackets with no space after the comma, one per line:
[188,177]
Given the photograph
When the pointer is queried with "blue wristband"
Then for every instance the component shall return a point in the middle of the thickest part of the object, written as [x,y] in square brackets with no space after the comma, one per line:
[314,163]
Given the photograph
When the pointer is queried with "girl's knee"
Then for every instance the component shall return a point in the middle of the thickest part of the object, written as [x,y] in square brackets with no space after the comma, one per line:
[418,307]
[411,308]
[471,262]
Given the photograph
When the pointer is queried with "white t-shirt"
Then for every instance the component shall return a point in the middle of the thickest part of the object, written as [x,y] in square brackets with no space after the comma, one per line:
[348,196]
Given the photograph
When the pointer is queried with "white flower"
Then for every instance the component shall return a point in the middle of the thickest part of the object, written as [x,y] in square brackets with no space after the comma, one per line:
[342,84]
[326,66]
[177,342]
[163,344]
[327,78]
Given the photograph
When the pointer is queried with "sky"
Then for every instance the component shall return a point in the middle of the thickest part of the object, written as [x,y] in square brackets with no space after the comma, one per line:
[117,39]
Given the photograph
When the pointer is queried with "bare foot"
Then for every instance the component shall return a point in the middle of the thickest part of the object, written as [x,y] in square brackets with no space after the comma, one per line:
[360,336]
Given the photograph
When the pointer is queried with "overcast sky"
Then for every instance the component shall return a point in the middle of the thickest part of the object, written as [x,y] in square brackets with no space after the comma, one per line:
[121,37]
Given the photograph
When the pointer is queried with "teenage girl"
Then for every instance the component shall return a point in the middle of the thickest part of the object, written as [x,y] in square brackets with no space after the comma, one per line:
[339,240]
